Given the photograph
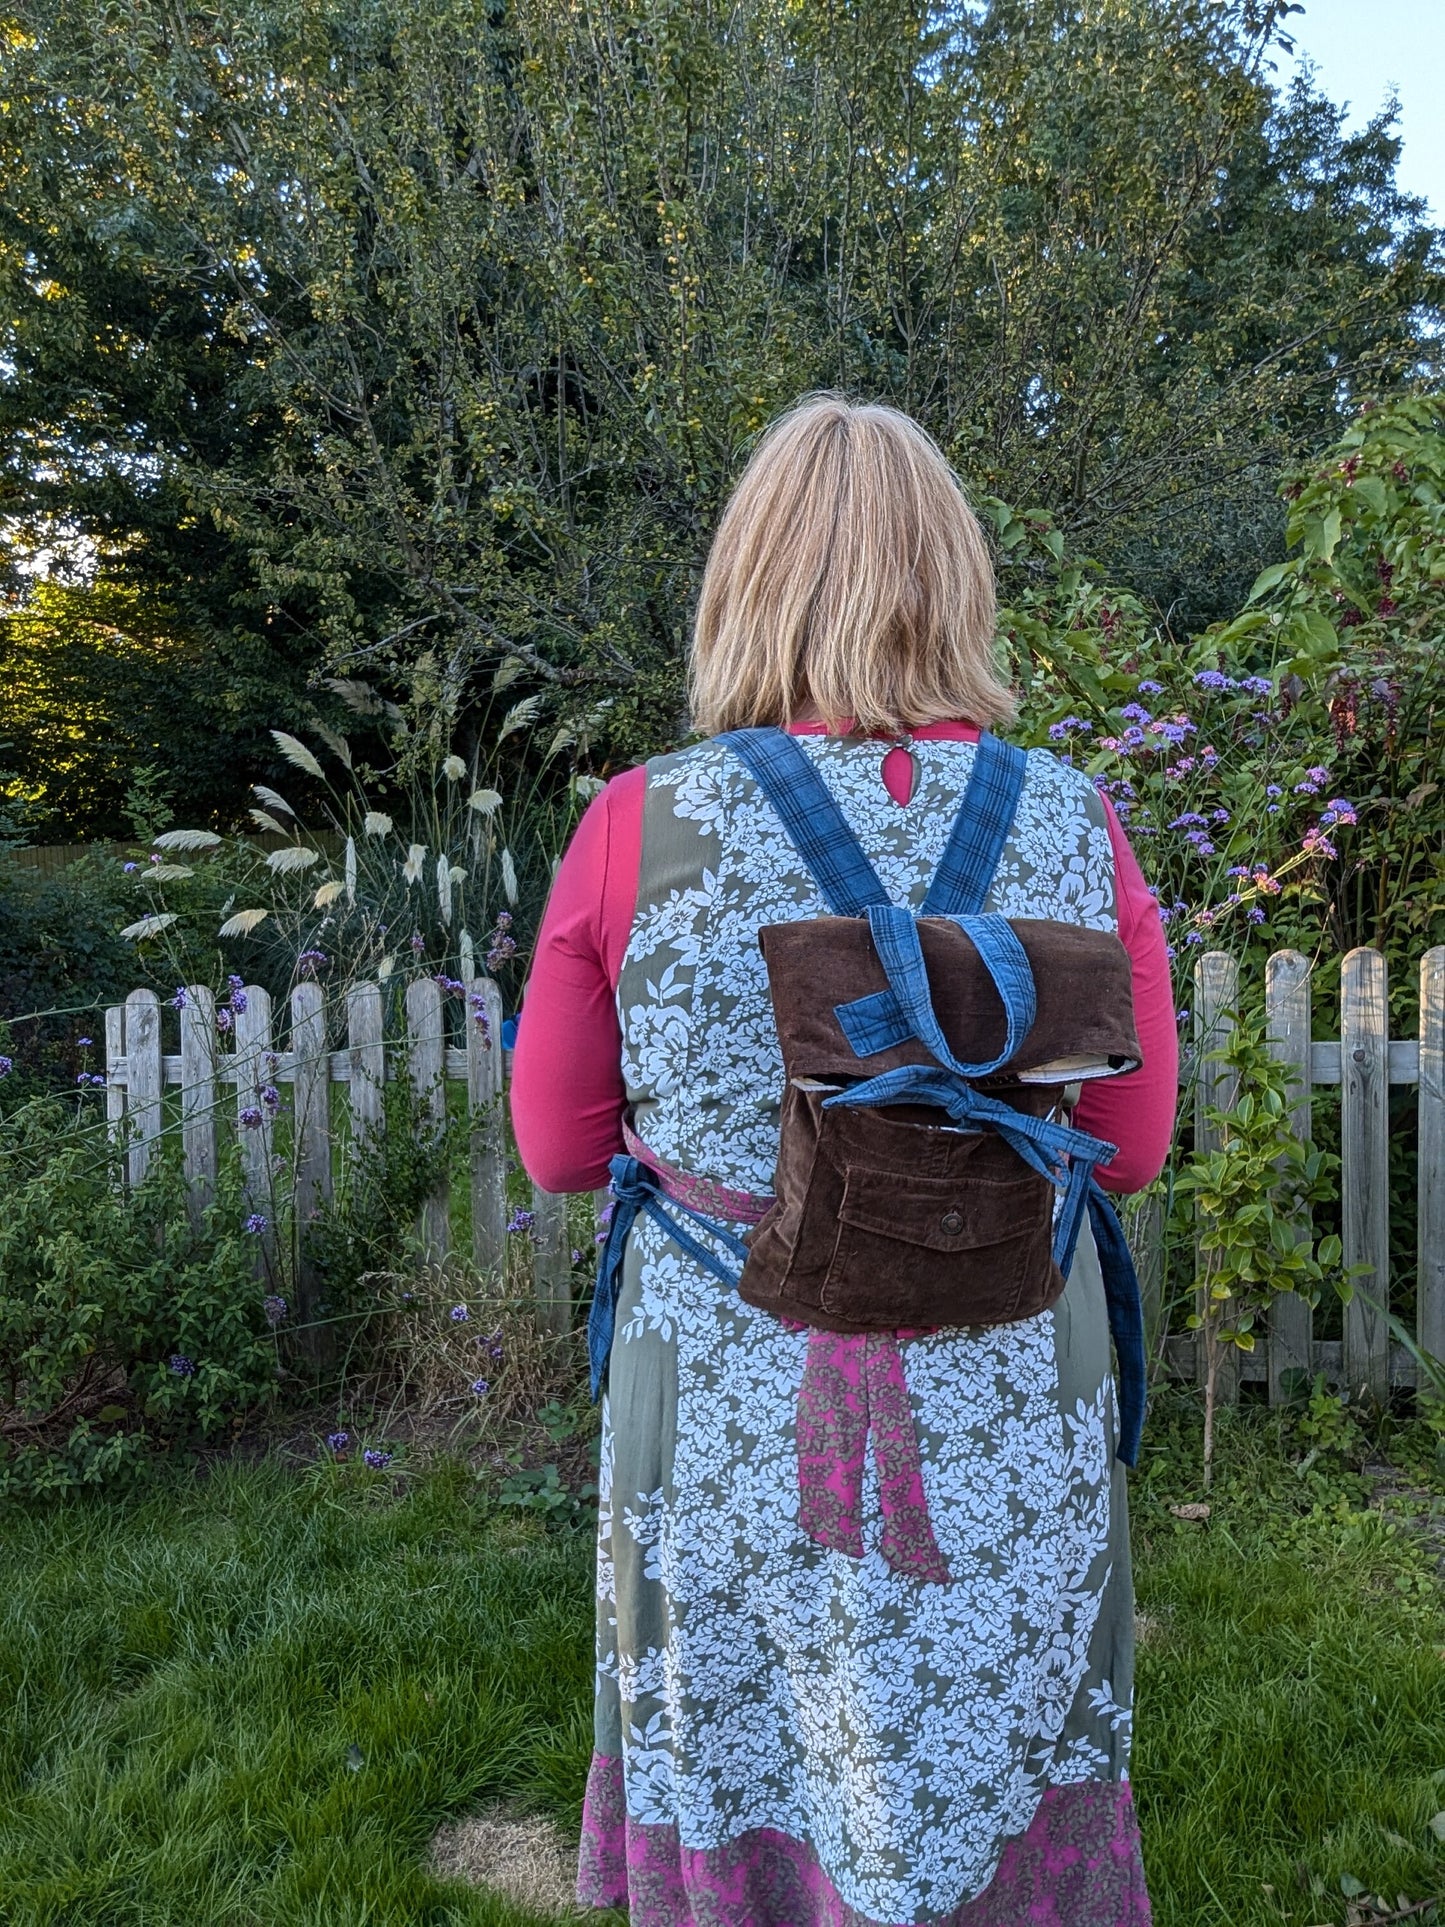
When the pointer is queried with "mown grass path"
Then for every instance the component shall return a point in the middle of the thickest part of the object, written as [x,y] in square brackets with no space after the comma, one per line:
[249,1698]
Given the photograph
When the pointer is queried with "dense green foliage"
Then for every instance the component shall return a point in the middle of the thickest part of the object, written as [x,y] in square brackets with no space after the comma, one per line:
[115,1307]
[1226,756]
[460,353]
[253,1696]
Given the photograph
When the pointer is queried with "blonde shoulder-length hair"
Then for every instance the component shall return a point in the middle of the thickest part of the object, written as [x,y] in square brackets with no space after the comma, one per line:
[848,580]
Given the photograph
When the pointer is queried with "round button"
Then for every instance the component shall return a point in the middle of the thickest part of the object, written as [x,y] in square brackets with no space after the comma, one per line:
[950,1222]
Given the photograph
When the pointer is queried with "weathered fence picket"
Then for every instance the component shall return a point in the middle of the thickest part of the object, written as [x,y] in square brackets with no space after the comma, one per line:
[143,1079]
[365,1064]
[553,1259]
[253,1075]
[310,1153]
[198,1098]
[1216,992]
[1287,1024]
[426,1059]
[1430,1320]
[1365,1166]
[1363,1063]
[486,1077]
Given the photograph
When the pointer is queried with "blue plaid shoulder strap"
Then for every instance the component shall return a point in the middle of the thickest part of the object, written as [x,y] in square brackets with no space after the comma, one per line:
[824,839]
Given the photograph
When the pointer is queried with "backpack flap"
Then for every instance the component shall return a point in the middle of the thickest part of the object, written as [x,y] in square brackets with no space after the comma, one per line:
[1084,1006]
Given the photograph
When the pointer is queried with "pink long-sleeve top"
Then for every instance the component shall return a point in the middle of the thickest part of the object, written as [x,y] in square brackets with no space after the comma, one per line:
[568,1094]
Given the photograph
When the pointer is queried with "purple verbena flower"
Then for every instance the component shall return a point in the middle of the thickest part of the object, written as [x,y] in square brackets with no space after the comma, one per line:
[1258,685]
[480,1387]
[7,1064]
[1341,810]
[271,1098]
[1149,688]
[182,1366]
[238,999]
[337,1441]
[1273,789]
[521,1220]
[459,1314]
[251,1119]
[274,1308]
[256,1224]
[376,1461]
[224,1019]
[85,1042]
[1256,915]
[1135,713]
[310,961]
[418,942]
[128,867]
[446,983]
[1065,727]
[180,1000]
[1213,679]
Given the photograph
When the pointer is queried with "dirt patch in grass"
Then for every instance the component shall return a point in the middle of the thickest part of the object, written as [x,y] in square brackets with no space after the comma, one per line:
[523,1857]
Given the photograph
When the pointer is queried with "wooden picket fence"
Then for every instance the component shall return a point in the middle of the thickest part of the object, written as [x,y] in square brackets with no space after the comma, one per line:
[1362,1063]
[235,1070]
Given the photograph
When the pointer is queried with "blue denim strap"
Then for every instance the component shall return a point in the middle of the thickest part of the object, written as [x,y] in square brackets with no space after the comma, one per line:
[1126,1319]
[975,843]
[1048,1148]
[888,1017]
[816,827]
[635,1189]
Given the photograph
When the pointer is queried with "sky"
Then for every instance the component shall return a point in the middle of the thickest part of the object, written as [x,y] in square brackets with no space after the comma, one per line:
[1363,48]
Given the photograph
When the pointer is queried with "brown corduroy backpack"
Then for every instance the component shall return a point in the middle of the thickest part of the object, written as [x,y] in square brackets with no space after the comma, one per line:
[926,1176]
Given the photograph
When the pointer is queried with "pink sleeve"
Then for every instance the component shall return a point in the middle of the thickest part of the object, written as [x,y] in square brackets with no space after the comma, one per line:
[1136,1112]
[567,1089]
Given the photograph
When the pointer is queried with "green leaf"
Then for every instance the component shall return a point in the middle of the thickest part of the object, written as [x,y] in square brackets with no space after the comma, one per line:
[1268,579]
[1371,490]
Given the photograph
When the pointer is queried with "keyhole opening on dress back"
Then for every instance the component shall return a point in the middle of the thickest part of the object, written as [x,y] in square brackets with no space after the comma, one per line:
[900,772]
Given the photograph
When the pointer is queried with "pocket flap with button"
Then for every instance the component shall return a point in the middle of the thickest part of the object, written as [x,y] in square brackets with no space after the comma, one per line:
[940,1214]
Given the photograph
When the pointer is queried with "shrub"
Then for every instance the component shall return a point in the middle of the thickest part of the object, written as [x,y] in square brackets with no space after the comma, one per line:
[123,1323]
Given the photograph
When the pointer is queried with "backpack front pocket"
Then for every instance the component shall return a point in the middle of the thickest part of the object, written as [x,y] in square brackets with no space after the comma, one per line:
[923,1250]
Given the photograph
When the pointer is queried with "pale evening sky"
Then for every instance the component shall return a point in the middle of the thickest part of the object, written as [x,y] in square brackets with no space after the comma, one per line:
[1362,49]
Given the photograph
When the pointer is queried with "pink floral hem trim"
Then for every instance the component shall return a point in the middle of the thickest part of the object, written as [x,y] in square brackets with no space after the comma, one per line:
[1078,1865]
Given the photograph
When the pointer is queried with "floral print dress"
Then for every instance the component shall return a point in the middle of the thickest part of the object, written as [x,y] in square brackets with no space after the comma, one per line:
[787,1734]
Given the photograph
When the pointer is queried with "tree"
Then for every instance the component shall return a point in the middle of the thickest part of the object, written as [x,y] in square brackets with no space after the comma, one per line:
[480,305]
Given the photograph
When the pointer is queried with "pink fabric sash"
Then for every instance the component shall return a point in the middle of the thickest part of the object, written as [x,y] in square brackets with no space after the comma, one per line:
[853,1384]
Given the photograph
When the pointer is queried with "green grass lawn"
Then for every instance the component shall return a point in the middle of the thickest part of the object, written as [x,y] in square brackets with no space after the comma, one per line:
[250,1697]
